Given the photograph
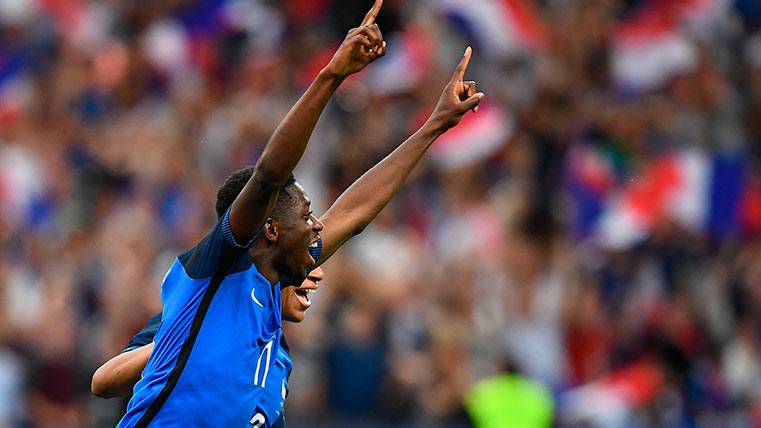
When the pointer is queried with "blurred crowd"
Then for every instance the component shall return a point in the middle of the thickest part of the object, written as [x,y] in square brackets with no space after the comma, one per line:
[119,119]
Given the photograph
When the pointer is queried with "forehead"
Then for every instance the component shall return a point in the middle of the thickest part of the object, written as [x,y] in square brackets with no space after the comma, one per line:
[298,192]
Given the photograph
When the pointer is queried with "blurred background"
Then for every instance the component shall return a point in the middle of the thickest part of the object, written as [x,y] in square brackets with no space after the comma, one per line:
[585,249]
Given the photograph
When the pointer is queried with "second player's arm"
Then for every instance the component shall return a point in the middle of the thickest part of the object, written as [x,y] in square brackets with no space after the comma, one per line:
[117,376]
[366,197]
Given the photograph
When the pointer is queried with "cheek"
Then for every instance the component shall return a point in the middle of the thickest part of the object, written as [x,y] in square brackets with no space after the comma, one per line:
[288,304]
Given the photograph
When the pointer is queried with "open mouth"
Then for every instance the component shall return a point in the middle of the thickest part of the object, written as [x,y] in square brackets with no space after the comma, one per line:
[302,294]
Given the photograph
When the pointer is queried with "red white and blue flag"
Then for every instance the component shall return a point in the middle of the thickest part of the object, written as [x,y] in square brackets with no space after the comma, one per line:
[500,28]
[702,193]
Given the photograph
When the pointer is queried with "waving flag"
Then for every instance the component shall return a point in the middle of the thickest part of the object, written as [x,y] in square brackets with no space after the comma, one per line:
[648,50]
[498,27]
[478,135]
[701,193]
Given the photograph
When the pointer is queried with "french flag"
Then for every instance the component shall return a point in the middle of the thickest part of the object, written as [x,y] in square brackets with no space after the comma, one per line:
[591,180]
[479,135]
[648,50]
[500,28]
[701,193]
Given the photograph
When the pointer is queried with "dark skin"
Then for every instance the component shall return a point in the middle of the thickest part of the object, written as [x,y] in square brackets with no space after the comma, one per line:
[290,236]
[283,151]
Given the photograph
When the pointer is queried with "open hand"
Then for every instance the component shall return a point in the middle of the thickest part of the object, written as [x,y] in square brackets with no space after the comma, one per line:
[361,46]
[458,97]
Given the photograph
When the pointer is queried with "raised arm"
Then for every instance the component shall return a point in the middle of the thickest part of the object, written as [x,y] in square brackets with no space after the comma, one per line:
[363,200]
[361,46]
[117,376]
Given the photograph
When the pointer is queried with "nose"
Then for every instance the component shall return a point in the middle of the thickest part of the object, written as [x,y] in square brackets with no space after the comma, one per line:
[316,274]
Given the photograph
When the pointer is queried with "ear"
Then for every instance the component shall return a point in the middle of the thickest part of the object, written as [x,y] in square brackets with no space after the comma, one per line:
[271,230]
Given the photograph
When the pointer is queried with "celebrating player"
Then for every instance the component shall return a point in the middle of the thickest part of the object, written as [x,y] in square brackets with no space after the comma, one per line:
[224,380]
[222,310]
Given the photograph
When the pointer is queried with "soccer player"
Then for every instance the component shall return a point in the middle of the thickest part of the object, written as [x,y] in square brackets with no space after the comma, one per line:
[221,314]
[118,376]
[226,374]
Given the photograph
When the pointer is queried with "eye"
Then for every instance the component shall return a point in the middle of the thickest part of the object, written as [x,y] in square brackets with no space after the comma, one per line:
[309,217]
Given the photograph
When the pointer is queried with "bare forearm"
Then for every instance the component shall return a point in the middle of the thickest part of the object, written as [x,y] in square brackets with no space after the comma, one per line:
[366,197]
[372,191]
[118,376]
[280,156]
[289,140]
[361,46]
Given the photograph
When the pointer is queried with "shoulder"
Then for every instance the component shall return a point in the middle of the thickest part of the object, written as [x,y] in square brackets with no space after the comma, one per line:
[216,250]
[146,335]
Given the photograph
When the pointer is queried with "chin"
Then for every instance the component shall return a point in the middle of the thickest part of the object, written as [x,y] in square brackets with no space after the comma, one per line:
[297,318]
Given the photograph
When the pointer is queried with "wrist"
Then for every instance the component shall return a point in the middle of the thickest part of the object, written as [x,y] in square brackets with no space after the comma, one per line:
[434,126]
[331,76]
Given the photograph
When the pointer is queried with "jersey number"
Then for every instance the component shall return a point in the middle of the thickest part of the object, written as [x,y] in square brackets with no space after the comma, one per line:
[267,350]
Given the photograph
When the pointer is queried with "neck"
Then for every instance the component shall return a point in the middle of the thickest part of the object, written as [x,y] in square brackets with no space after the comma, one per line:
[263,258]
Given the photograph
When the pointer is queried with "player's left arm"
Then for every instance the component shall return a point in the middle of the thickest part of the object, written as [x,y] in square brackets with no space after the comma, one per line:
[117,376]
[366,197]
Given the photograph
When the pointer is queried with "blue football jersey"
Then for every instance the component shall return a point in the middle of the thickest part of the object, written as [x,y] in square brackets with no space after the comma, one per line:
[212,370]
[273,398]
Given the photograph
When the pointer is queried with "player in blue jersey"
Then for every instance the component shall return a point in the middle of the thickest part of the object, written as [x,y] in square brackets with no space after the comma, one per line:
[221,318]
[118,376]
[220,326]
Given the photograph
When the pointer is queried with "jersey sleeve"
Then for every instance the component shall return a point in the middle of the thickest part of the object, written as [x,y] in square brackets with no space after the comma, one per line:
[220,244]
[146,335]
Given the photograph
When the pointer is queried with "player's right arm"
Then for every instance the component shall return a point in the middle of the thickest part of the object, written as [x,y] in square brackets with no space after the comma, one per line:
[361,46]
[117,376]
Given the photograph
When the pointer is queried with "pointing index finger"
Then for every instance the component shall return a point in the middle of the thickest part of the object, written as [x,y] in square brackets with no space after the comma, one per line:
[459,72]
[370,17]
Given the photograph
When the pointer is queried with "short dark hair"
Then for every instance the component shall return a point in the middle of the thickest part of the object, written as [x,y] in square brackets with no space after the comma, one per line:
[235,183]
